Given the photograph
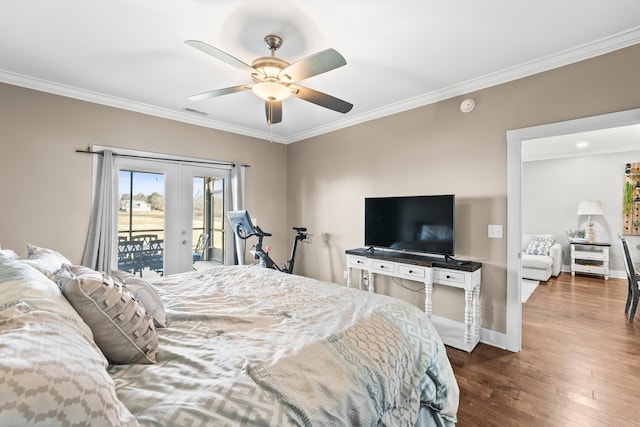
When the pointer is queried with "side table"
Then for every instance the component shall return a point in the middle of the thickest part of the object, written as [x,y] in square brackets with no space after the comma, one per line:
[590,258]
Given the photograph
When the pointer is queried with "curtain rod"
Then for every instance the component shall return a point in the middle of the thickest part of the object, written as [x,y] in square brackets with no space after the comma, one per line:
[131,156]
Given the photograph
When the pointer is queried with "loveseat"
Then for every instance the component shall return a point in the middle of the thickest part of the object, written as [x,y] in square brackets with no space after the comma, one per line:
[541,257]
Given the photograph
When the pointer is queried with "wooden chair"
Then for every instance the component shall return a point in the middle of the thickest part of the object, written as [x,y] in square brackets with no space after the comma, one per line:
[634,282]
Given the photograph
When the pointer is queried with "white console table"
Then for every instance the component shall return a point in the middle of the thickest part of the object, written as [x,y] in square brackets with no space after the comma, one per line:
[464,336]
[590,258]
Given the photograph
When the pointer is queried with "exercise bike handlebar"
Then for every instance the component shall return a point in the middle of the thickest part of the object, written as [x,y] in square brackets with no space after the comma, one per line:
[261,233]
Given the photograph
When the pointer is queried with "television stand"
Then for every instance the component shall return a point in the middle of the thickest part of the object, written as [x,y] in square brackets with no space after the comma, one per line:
[428,270]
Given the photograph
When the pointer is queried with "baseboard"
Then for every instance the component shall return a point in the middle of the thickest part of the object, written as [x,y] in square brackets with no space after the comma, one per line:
[615,274]
[493,338]
[452,333]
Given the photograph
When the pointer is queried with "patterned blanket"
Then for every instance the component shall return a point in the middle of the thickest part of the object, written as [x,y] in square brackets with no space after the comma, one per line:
[251,346]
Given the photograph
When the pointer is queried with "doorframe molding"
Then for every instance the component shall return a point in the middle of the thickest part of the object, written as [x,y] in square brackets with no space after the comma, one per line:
[514,141]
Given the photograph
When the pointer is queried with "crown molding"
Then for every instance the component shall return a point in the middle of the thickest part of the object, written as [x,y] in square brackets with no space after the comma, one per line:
[569,56]
[549,62]
[127,104]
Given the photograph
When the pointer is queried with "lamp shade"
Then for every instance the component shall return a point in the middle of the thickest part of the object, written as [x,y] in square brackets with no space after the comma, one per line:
[590,207]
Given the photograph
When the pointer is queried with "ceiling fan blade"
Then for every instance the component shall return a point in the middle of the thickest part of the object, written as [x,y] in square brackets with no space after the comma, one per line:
[274,111]
[321,99]
[217,53]
[313,65]
[218,92]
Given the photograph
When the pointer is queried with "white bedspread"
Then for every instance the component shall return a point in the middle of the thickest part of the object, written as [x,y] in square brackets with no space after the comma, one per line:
[250,346]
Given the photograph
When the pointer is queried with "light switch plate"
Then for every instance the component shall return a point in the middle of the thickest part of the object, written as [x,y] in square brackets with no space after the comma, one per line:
[495,231]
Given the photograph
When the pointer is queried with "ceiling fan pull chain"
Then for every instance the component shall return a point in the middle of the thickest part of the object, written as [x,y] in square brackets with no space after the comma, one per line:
[270,133]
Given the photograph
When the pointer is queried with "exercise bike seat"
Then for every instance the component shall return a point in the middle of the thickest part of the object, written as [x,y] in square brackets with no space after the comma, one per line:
[300,229]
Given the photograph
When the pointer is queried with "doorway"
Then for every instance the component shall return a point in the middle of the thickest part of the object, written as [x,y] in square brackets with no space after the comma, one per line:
[515,140]
[170,215]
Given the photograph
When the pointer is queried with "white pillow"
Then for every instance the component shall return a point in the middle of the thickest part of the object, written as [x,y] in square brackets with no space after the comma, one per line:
[52,374]
[8,253]
[51,371]
[145,293]
[46,261]
[21,283]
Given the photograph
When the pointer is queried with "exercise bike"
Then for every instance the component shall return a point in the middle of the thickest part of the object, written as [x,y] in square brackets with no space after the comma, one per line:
[244,228]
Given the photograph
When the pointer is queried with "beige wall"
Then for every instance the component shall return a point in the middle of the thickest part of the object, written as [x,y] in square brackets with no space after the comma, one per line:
[46,186]
[436,149]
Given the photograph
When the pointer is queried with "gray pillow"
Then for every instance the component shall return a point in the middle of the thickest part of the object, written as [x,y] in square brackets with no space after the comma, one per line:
[539,246]
[144,292]
[121,327]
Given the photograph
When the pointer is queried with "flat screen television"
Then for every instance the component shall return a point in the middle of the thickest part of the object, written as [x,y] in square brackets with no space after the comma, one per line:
[423,224]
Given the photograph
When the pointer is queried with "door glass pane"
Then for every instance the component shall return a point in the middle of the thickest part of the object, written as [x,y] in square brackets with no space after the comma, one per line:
[141,222]
[208,221]
[218,240]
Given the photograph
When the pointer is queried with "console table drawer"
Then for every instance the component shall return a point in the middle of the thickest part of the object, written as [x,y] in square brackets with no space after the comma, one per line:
[412,271]
[359,262]
[596,256]
[588,268]
[448,276]
[383,266]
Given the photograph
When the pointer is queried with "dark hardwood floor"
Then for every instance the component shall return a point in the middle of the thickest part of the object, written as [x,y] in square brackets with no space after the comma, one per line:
[579,364]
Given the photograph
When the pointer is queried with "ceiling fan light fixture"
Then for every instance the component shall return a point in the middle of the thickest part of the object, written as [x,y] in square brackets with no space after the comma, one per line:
[271,91]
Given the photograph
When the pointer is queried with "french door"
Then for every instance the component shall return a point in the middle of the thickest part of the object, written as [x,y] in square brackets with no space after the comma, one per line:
[170,216]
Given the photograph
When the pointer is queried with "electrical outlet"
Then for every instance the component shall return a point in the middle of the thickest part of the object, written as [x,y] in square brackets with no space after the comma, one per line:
[345,274]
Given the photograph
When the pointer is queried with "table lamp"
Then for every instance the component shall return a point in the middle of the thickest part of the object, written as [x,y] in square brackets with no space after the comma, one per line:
[590,208]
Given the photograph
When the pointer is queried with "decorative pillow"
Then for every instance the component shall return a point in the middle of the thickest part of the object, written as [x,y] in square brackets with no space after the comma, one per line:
[539,245]
[121,327]
[46,261]
[144,292]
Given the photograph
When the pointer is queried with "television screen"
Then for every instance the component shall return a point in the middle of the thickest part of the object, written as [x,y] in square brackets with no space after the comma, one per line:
[411,223]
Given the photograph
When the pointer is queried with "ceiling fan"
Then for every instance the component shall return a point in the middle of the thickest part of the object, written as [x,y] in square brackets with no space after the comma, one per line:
[275,79]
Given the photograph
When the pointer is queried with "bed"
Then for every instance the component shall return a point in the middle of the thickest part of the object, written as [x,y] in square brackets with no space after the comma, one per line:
[226,346]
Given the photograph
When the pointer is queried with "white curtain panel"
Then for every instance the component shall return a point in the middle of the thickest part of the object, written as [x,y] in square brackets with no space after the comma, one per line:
[99,248]
[237,203]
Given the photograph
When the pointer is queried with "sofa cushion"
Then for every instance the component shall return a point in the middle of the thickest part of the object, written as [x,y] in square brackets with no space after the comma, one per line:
[536,261]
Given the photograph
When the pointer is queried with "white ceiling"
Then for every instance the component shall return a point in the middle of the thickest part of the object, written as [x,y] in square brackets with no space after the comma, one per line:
[400,54]
[603,141]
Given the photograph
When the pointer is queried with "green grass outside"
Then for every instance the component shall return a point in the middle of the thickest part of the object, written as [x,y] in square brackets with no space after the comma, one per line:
[148,222]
